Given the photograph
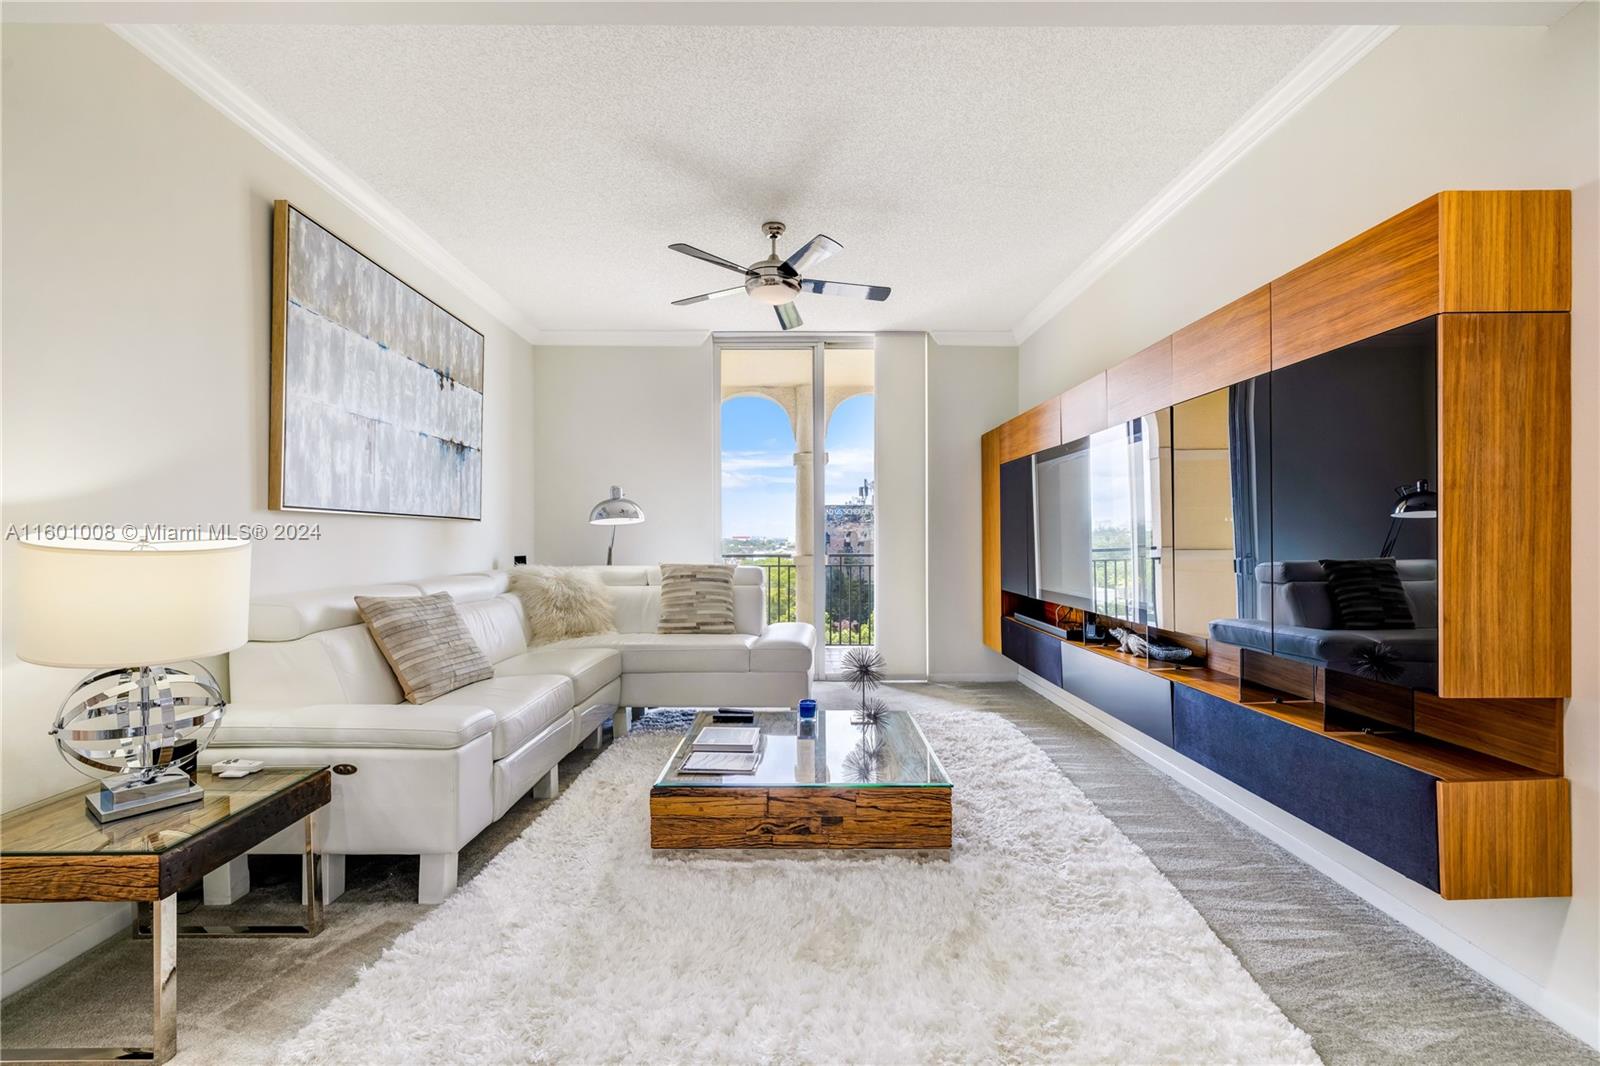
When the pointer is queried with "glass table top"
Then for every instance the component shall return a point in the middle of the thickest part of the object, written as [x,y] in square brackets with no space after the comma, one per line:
[61,826]
[844,754]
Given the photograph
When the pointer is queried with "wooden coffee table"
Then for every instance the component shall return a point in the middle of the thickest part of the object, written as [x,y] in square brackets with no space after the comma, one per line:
[54,852]
[852,786]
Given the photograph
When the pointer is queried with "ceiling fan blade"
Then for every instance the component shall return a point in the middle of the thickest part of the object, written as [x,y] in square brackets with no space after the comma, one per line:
[811,253]
[788,315]
[691,250]
[703,297]
[845,288]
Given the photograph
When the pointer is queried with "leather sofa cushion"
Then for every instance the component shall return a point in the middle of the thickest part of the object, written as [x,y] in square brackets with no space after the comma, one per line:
[465,588]
[667,653]
[589,668]
[334,666]
[785,646]
[498,625]
[433,725]
[524,706]
[293,615]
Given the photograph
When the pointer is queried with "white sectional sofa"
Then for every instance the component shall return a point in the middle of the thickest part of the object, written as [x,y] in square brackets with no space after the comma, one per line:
[312,687]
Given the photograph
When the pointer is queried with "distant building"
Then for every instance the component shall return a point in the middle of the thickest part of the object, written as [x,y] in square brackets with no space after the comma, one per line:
[848,528]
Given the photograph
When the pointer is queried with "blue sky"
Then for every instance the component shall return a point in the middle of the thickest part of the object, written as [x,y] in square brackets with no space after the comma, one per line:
[758,462]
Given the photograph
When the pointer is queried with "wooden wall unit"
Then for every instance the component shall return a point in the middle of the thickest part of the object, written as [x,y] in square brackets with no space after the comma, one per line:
[1505,479]
[1505,839]
[1495,267]
[1373,282]
[1141,384]
[1083,409]
[1454,252]
[1505,251]
[1033,430]
[1232,343]
[990,521]
[1526,732]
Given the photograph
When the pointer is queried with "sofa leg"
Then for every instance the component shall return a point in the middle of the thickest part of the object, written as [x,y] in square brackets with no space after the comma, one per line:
[436,877]
[596,740]
[227,883]
[332,878]
[548,787]
[621,721]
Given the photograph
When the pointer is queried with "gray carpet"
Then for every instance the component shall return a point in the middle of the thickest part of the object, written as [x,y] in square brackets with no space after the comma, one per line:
[1364,988]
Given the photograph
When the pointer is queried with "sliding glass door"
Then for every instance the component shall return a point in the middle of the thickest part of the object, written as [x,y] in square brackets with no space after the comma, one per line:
[806,515]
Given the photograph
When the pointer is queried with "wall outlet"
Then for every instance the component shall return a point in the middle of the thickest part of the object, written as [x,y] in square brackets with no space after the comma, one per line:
[519,560]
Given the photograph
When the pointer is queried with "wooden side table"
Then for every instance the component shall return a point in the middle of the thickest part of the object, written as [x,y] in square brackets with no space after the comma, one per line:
[54,852]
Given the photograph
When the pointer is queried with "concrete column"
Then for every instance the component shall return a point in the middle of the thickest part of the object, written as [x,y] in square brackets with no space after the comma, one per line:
[805,540]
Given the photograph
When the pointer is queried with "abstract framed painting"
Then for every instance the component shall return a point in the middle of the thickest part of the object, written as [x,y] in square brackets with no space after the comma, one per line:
[377,391]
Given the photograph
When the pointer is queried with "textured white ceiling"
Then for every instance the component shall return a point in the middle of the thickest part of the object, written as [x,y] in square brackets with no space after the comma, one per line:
[970,168]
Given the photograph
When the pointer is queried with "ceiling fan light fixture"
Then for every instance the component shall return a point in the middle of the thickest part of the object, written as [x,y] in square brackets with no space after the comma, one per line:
[773,290]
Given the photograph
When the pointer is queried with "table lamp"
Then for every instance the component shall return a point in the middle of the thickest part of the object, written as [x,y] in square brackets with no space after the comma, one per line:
[128,611]
[1411,502]
[615,510]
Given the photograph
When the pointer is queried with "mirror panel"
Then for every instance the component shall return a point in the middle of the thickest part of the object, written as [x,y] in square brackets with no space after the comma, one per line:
[1354,469]
[1220,469]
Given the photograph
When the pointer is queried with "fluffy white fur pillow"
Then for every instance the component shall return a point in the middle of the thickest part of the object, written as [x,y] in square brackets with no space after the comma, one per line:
[562,602]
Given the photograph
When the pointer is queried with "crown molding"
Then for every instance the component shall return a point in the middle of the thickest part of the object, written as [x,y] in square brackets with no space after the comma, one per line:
[172,54]
[622,338]
[1319,70]
[973,338]
[802,12]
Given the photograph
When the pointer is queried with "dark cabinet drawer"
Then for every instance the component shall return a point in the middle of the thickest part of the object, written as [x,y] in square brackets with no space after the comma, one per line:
[1031,649]
[1016,528]
[1132,696]
[1378,807]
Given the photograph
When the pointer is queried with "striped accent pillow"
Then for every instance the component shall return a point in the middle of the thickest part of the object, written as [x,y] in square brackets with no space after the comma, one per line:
[426,643]
[696,598]
[1367,594]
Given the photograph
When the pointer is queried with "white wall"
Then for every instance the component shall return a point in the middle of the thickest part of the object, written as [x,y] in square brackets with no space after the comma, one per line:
[901,386]
[1429,109]
[642,418]
[137,245]
[646,419]
[969,391]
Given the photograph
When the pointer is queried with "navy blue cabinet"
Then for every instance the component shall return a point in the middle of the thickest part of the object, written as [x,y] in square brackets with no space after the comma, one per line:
[1378,807]
[1142,700]
[1031,649]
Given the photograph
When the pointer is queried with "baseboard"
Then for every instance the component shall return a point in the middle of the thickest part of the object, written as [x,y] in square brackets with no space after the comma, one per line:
[46,961]
[1348,867]
[956,679]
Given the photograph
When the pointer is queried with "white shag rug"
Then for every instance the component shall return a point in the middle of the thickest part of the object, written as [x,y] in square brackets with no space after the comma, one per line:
[1046,936]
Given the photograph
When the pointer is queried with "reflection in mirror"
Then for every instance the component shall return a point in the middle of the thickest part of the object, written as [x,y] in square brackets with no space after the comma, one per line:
[1220,470]
[1061,476]
[1353,574]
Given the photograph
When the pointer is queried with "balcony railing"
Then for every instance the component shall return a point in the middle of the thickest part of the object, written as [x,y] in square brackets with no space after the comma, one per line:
[1112,573]
[848,594]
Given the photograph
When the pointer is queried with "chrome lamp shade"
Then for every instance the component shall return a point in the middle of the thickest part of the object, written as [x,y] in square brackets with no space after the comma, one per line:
[615,510]
[130,610]
[1413,501]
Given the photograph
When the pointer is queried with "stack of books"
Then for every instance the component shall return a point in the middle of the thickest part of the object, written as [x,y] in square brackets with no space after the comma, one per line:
[724,749]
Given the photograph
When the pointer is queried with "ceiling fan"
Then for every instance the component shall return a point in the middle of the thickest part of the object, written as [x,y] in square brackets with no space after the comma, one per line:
[777,281]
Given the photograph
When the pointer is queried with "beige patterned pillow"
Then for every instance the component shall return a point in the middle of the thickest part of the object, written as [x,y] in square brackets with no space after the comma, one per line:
[563,602]
[426,643]
[696,598]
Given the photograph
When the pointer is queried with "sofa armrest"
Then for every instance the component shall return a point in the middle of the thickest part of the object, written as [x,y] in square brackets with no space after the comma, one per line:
[784,647]
[353,725]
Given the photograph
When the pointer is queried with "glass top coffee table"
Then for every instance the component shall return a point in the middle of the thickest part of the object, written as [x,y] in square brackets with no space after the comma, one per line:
[851,786]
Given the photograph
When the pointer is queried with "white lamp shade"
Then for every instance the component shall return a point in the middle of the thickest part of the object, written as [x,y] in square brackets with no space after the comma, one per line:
[90,603]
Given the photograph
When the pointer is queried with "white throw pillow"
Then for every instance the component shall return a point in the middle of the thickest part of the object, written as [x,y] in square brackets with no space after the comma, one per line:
[563,602]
